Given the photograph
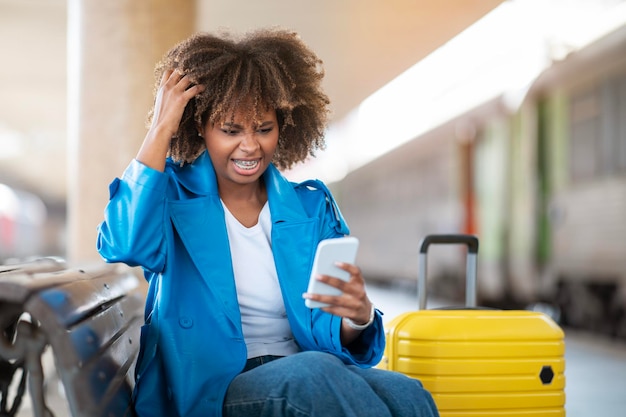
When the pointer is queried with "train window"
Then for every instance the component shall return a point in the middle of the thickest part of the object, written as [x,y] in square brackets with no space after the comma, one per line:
[598,130]
[613,107]
[585,134]
[621,125]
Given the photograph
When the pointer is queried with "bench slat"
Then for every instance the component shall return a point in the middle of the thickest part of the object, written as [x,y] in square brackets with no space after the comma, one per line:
[19,281]
[79,298]
[88,338]
[107,380]
[45,264]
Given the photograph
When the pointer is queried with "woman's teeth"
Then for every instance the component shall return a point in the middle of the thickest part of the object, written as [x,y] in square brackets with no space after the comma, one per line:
[246,164]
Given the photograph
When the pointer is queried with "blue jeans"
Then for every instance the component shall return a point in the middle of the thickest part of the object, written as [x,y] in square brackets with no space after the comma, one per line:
[317,384]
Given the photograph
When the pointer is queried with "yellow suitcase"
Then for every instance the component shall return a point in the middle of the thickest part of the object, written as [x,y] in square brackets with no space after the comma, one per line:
[475,361]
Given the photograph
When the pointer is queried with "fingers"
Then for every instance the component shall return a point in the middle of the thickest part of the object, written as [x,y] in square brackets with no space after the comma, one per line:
[353,302]
[175,92]
[352,285]
[166,75]
[175,79]
[170,79]
[193,91]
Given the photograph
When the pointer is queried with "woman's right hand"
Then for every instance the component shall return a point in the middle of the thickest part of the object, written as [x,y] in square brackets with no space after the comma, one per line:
[172,97]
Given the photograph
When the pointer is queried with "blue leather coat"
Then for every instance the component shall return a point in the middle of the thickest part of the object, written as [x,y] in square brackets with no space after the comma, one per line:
[172,224]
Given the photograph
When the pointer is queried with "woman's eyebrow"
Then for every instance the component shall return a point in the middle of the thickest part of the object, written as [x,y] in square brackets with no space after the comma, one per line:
[232,125]
[238,126]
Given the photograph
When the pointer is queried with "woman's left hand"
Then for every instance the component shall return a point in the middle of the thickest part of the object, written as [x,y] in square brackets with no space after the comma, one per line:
[353,302]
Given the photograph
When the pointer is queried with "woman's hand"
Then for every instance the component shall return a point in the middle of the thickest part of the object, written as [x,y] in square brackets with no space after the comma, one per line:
[172,97]
[353,303]
[175,91]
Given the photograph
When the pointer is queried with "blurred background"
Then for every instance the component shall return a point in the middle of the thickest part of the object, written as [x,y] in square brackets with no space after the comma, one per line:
[505,119]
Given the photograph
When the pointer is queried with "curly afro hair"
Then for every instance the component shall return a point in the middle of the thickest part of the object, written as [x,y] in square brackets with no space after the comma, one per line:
[264,69]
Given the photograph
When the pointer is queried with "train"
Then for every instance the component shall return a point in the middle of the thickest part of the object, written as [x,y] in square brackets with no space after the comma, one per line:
[542,184]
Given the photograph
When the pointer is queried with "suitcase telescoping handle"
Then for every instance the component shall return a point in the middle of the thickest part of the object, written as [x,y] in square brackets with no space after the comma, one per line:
[472,253]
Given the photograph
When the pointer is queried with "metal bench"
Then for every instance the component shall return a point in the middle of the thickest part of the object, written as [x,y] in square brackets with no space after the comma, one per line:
[90,318]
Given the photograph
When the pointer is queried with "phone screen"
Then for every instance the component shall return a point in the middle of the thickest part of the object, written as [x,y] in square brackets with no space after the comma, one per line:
[329,251]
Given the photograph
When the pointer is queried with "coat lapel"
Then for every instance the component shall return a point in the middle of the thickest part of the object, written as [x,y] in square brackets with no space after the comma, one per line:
[198,217]
[294,239]
[201,227]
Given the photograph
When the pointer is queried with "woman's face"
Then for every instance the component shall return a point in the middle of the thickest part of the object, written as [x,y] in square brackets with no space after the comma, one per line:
[241,149]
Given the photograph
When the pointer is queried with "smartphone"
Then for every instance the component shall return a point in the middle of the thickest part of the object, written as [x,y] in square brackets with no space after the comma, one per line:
[329,251]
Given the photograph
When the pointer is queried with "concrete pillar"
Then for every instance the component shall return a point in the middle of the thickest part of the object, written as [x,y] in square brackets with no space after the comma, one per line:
[113,46]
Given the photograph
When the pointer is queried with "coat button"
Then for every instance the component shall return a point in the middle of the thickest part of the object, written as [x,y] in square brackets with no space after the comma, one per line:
[185,322]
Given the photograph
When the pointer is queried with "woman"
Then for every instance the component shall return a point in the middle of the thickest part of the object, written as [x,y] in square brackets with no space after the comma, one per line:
[227,244]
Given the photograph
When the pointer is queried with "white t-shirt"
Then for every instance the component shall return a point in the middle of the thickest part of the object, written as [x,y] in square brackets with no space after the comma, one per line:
[264,321]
